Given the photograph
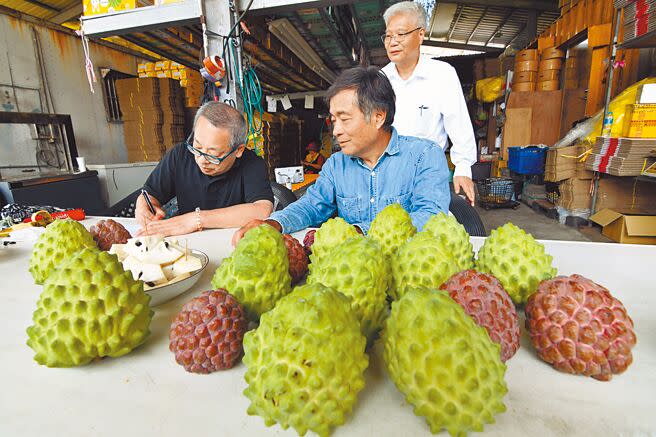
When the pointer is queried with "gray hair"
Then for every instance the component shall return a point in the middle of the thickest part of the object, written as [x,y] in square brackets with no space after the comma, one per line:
[225,116]
[409,8]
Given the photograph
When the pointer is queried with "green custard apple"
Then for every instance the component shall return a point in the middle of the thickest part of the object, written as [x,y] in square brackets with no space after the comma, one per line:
[446,365]
[356,269]
[305,362]
[257,273]
[391,228]
[515,259]
[330,235]
[421,262]
[90,308]
[454,237]
[60,241]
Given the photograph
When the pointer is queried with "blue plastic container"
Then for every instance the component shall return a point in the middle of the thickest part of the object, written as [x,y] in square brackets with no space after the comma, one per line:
[527,160]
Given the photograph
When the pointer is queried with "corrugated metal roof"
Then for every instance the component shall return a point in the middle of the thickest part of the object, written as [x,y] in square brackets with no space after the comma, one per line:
[40,8]
[338,33]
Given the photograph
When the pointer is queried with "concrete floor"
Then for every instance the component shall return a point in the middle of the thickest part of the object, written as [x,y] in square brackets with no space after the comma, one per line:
[539,225]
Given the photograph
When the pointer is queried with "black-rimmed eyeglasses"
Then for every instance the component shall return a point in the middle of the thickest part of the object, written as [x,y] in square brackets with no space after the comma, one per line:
[209,158]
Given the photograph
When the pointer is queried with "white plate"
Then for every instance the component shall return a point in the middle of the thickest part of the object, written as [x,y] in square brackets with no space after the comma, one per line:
[165,293]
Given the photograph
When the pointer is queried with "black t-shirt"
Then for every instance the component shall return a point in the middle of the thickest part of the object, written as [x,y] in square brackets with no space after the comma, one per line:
[178,175]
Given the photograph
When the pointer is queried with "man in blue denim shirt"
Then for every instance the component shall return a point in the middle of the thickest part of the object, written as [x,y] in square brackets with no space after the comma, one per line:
[375,168]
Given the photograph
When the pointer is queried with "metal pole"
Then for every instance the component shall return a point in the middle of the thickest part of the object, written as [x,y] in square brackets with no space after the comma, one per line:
[613,53]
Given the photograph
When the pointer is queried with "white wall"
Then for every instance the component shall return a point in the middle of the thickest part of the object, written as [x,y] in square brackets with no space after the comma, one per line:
[21,90]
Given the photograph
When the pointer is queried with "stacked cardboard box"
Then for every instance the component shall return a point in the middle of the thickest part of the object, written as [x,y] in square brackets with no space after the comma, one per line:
[621,156]
[575,194]
[526,67]
[549,69]
[565,163]
[153,117]
[639,19]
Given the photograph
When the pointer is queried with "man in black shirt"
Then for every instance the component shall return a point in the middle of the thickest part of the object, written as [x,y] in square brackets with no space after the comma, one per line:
[217,181]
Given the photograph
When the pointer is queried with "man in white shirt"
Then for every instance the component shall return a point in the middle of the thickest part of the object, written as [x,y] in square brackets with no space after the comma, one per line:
[429,99]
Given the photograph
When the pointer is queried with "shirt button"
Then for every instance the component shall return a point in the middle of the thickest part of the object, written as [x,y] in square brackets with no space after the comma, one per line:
[373,173]
[372,200]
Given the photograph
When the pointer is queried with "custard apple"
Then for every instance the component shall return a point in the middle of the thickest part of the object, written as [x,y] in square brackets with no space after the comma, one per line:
[356,269]
[485,300]
[207,333]
[308,241]
[108,232]
[89,308]
[454,237]
[257,273]
[515,259]
[306,361]
[298,260]
[421,262]
[443,362]
[391,228]
[60,241]
[578,327]
[331,234]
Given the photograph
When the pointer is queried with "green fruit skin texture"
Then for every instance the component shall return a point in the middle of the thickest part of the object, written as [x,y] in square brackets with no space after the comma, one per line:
[443,362]
[454,237]
[356,269]
[421,262]
[391,228]
[89,308]
[257,273]
[305,362]
[61,240]
[515,259]
[330,235]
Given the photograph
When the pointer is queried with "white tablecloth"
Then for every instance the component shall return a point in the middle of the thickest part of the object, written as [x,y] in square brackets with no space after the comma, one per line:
[147,393]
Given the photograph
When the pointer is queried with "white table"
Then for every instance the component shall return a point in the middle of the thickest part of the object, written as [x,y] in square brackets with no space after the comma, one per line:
[146,393]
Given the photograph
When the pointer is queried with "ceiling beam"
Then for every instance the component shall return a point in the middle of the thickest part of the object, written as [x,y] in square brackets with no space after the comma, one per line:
[163,53]
[43,5]
[519,32]
[455,23]
[70,32]
[273,7]
[544,5]
[304,30]
[459,46]
[500,26]
[361,37]
[279,52]
[67,14]
[160,39]
[331,27]
[478,23]
[275,63]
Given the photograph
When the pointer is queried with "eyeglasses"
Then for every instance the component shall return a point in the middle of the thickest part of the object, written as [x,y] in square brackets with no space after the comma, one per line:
[400,37]
[209,158]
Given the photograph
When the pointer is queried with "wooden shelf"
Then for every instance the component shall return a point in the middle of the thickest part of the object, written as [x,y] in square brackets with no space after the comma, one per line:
[648,40]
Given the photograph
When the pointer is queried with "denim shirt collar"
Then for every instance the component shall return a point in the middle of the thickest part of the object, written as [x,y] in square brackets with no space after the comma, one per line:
[392,147]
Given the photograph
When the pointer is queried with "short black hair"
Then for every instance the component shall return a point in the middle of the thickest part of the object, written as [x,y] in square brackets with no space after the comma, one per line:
[373,89]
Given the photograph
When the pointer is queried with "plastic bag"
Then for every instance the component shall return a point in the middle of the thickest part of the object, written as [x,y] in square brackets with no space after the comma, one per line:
[489,89]
[618,108]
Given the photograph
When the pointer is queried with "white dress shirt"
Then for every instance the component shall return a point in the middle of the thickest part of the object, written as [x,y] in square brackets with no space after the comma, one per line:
[430,104]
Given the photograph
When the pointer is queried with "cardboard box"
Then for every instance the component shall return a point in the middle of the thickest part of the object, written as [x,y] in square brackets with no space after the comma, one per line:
[627,229]
[575,194]
[492,67]
[561,163]
[626,195]
[640,121]
[91,7]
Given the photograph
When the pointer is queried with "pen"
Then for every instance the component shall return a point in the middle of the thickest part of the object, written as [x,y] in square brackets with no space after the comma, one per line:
[147,197]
